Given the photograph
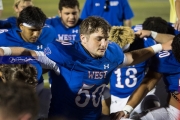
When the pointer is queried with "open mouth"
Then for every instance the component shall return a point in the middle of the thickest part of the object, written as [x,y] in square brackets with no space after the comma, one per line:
[71,22]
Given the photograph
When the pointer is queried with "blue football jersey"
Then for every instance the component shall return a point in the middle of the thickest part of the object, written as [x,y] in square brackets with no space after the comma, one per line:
[8,23]
[64,33]
[165,63]
[126,79]
[11,38]
[118,10]
[77,91]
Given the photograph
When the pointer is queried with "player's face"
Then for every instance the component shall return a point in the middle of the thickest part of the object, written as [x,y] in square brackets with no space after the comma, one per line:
[69,16]
[21,6]
[30,34]
[95,43]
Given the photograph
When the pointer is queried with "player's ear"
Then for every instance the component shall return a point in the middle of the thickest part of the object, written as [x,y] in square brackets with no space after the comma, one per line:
[59,12]
[83,38]
[21,26]
[16,9]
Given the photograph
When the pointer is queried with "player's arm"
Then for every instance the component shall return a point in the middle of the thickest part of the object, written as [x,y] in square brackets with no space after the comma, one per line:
[1,8]
[16,51]
[46,63]
[149,82]
[140,55]
[127,23]
[160,38]
[106,101]
[177,7]
[106,106]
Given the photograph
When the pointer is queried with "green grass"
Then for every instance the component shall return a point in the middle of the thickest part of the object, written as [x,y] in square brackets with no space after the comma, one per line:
[50,7]
[142,9]
[146,8]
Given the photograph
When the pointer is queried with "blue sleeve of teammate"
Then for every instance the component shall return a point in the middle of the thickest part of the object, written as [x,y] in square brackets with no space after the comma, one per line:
[53,52]
[86,9]
[48,21]
[3,36]
[4,24]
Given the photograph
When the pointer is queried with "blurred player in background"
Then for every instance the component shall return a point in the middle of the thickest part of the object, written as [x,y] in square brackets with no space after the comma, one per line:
[18,101]
[116,12]
[1,7]
[18,6]
[67,23]
[175,13]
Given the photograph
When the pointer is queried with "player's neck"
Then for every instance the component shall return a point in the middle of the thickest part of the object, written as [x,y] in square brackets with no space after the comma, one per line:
[89,53]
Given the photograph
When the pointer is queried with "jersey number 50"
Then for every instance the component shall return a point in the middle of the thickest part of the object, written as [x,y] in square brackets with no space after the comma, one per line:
[96,96]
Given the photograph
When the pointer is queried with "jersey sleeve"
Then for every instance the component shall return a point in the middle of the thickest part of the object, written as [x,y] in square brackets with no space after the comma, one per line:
[149,42]
[4,24]
[48,21]
[53,52]
[115,53]
[86,9]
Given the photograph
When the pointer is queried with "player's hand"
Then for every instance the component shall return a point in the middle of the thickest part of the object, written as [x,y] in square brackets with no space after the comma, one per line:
[118,115]
[167,45]
[177,25]
[143,33]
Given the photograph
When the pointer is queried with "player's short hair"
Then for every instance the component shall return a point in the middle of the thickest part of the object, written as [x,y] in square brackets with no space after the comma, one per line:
[68,4]
[155,24]
[33,16]
[25,73]
[16,2]
[176,47]
[17,98]
[122,35]
[92,24]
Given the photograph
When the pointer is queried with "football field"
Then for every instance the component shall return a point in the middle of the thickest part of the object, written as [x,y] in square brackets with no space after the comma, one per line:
[141,8]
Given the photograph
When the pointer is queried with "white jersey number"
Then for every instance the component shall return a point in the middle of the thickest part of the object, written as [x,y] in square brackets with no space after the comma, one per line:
[85,90]
[130,73]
